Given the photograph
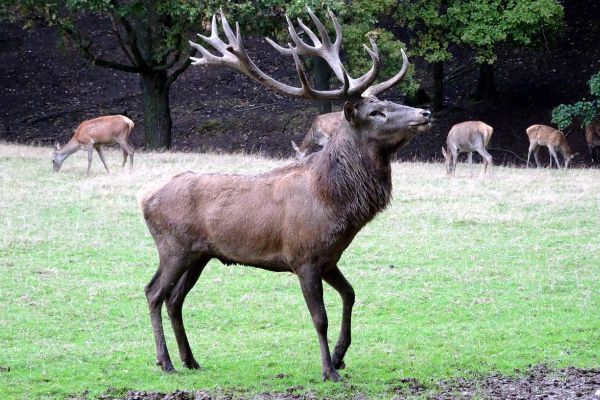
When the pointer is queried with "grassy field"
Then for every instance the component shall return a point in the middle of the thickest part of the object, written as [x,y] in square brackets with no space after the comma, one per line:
[459,277]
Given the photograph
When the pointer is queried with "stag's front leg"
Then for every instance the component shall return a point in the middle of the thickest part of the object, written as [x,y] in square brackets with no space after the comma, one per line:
[312,289]
[335,278]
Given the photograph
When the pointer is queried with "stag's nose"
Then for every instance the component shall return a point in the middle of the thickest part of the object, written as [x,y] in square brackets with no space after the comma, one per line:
[426,113]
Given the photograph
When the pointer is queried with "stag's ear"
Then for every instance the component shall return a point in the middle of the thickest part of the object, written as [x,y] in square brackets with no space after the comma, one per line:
[349,111]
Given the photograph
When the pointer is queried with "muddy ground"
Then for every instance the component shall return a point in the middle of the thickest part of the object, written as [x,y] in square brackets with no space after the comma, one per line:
[537,383]
[45,91]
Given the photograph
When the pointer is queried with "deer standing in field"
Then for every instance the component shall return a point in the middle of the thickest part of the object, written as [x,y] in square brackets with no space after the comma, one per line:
[325,125]
[468,136]
[298,218]
[543,135]
[93,134]
[592,137]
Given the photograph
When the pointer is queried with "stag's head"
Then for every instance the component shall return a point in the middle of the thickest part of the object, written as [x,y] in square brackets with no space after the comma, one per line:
[386,124]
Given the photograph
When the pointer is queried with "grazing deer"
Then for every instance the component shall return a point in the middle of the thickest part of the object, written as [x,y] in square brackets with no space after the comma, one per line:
[468,136]
[543,135]
[94,133]
[298,218]
[592,137]
[326,125]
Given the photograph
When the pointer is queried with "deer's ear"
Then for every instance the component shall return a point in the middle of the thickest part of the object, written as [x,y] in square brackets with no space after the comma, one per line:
[349,111]
[56,146]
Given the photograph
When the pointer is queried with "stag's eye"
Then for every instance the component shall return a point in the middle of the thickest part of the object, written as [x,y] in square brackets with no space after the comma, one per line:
[376,114]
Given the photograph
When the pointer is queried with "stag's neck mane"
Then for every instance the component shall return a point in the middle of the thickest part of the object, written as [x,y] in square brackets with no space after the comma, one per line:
[352,178]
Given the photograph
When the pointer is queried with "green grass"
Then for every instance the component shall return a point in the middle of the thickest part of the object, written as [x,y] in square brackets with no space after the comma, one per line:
[459,277]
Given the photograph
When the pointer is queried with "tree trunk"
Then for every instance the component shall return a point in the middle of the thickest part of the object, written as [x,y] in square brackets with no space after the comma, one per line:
[322,75]
[485,85]
[438,85]
[157,113]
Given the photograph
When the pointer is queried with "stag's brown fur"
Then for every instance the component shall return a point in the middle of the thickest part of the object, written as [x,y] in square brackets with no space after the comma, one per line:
[298,218]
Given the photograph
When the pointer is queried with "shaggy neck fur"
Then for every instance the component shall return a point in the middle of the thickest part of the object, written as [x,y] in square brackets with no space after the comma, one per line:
[354,182]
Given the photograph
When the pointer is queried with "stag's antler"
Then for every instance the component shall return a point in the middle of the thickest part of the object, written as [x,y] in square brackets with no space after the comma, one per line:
[233,55]
[325,49]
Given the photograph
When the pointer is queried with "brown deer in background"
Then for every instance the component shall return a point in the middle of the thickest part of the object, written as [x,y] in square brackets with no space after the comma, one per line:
[298,218]
[543,135]
[468,136]
[592,137]
[93,134]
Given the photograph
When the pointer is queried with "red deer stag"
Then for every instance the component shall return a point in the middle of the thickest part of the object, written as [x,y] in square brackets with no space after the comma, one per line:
[94,133]
[592,137]
[468,136]
[298,218]
[543,135]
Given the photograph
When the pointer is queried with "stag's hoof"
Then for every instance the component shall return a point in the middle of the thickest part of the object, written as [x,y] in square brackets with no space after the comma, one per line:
[193,364]
[339,364]
[166,366]
[332,376]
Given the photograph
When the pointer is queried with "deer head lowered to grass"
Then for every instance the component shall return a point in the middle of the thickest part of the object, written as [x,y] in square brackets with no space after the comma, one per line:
[94,133]
[543,135]
[299,218]
[467,137]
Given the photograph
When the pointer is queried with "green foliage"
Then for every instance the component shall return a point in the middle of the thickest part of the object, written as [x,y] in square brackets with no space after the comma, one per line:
[584,111]
[484,24]
[431,26]
[480,24]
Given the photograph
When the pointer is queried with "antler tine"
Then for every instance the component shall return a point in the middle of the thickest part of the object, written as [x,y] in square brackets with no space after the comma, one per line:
[296,39]
[310,33]
[322,31]
[383,86]
[227,29]
[361,84]
[338,31]
[279,48]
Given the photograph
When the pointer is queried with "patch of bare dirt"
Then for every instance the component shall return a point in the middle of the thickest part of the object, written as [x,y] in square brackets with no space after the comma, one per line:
[539,382]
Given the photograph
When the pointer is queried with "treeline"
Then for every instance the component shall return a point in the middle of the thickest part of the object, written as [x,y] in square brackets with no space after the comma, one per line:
[153,35]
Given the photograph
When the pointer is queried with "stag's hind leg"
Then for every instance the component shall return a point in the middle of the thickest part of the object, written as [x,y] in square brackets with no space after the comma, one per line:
[335,278]
[174,303]
[159,287]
